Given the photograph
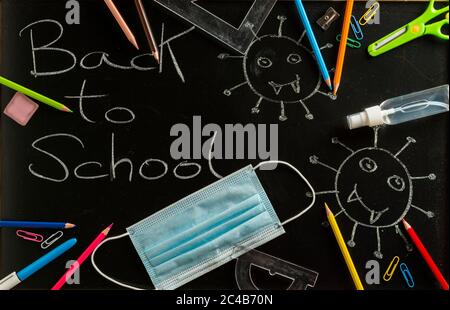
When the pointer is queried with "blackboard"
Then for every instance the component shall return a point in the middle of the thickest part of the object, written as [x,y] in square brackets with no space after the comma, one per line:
[159,100]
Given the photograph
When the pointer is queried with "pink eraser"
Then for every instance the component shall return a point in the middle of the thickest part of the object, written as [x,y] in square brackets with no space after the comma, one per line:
[21,108]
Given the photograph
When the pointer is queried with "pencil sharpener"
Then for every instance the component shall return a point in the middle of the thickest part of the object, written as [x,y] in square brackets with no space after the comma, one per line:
[330,16]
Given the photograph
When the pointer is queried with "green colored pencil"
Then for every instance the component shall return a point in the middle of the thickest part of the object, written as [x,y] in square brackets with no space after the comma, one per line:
[34,95]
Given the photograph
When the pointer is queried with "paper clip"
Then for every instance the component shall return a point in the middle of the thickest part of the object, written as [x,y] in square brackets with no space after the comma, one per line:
[52,239]
[357,31]
[407,275]
[391,269]
[350,42]
[27,235]
[369,14]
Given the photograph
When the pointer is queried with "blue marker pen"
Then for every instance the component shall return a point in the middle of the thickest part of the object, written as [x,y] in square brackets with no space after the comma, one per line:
[14,278]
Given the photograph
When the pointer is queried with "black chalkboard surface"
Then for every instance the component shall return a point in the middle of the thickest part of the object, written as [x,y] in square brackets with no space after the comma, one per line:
[130,104]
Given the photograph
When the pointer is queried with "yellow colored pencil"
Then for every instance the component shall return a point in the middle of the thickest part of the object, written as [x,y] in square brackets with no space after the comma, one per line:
[344,250]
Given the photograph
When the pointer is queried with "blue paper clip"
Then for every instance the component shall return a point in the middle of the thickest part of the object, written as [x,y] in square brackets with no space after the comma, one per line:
[350,42]
[357,31]
[407,275]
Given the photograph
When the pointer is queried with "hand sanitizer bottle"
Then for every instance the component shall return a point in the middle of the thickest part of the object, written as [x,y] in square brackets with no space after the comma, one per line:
[403,109]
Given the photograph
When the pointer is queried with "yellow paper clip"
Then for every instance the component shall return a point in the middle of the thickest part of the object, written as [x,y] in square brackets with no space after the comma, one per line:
[369,14]
[350,42]
[391,269]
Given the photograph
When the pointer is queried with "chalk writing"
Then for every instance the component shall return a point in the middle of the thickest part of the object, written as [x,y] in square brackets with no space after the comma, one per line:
[94,170]
[90,61]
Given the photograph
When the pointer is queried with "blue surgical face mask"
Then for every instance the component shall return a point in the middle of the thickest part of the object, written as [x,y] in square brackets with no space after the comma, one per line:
[205,229]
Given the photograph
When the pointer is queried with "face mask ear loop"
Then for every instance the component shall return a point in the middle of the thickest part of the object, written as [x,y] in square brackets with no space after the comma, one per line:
[210,157]
[105,275]
[271,162]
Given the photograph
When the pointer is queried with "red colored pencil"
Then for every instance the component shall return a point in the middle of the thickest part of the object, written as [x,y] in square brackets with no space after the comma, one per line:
[81,259]
[426,256]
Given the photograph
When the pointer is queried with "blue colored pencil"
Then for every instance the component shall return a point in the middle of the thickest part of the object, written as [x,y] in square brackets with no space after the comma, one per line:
[22,224]
[313,42]
[14,278]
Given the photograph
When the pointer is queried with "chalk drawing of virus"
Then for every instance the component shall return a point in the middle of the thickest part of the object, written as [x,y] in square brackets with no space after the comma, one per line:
[362,183]
[280,70]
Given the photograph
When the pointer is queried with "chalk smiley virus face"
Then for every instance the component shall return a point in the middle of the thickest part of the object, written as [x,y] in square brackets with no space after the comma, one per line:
[360,173]
[276,67]
[363,181]
[280,70]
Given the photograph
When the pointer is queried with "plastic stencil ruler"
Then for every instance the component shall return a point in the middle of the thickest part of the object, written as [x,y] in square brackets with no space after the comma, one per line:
[238,38]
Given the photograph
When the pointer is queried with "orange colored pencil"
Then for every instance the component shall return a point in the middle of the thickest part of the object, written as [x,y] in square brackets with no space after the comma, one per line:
[123,25]
[343,45]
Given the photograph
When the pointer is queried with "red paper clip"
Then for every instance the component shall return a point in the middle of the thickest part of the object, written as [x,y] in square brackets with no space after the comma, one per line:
[29,236]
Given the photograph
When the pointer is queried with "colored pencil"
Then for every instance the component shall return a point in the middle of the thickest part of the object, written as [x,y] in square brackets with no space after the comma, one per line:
[426,255]
[312,40]
[342,45]
[147,29]
[121,21]
[14,278]
[344,249]
[28,224]
[81,259]
[30,93]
